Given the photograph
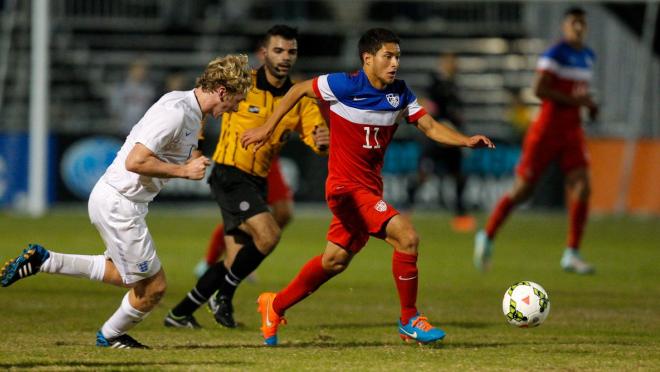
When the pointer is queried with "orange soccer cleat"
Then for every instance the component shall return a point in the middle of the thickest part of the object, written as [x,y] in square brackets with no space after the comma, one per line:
[270,320]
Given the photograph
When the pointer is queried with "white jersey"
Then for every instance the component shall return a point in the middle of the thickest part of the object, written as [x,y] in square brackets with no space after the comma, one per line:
[169,129]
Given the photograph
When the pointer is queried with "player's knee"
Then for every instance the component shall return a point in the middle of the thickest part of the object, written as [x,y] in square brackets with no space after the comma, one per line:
[148,293]
[282,217]
[156,292]
[409,241]
[335,263]
[582,190]
[521,192]
[268,239]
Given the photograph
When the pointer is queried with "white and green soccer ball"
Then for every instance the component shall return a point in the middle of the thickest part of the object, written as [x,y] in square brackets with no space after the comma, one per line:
[526,304]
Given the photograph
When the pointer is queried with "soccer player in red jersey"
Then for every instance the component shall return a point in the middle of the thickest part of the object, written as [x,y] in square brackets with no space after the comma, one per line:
[364,109]
[562,78]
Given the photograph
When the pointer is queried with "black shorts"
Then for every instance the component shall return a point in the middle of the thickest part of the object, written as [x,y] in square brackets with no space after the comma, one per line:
[239,195]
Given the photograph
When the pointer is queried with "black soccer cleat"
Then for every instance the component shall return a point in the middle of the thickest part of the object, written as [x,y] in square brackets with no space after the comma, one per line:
[184,321]
[222,310]
[27,263]
[120,342]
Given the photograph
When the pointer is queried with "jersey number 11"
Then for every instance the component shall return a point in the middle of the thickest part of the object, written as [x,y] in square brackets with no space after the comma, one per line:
[367,134]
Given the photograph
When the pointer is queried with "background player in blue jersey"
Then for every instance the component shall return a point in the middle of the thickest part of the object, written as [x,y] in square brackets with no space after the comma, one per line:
[562,83]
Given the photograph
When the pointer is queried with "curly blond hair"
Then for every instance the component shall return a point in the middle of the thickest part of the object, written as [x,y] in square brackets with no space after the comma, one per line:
[231,71]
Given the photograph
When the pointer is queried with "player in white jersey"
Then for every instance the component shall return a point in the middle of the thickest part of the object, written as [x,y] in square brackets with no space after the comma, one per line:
[160,146]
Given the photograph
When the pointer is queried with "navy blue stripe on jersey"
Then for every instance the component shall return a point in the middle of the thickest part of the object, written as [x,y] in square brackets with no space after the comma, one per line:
[567,56]
[355,90]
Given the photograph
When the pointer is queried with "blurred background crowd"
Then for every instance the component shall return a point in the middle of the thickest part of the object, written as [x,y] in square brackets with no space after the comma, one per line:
[470,61]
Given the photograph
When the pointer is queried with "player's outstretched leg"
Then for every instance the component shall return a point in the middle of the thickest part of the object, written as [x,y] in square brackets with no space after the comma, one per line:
[270,320]
[120,342]
[27,263]
[184,321]
[573,262]
[419,329]
[483,251]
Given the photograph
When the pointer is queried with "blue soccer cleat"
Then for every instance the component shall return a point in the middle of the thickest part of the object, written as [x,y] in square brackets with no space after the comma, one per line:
[120,342]
[483,251]
[420,330]
[28,263]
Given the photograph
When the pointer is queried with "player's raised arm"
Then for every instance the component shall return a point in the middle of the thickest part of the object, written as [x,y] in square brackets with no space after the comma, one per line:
[446,135]
[260,134]
[143,161]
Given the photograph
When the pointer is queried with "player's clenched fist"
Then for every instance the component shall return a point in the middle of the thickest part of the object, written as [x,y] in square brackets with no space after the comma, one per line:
[195,169]
[321,137]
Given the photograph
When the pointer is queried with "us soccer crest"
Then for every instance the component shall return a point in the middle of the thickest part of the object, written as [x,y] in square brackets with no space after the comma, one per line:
[393,99]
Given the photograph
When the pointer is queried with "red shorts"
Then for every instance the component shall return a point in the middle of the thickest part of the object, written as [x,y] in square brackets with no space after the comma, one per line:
[278,190]
[539,150]
[357,214]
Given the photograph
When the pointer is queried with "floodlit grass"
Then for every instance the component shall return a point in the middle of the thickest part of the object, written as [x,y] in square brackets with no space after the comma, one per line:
[609,321]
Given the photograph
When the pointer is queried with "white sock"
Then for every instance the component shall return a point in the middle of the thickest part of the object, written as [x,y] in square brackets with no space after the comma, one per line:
[91,267]
[125,318]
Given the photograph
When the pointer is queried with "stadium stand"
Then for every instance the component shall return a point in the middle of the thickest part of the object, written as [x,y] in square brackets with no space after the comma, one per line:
[93,44]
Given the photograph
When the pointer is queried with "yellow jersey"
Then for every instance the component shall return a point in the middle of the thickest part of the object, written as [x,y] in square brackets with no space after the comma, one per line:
[258,105]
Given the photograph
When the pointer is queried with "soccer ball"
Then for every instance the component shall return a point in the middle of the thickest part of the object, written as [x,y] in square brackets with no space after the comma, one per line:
[526,304]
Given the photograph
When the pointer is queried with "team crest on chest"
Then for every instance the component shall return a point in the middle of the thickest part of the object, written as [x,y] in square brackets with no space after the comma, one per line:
[393,99]
[381,206]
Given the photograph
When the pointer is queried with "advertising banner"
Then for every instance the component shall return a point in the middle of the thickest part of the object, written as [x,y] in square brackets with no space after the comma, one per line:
[14,153]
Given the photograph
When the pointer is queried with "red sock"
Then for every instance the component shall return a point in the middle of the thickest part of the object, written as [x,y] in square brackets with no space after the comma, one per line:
[216,245]
[404,269]
[499,214]
[308,280]
[577,215]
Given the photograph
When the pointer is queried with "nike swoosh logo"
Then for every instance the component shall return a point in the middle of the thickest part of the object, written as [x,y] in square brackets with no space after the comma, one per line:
[359,99]
[188,133]
[411,278]
[268,322]
[413,335]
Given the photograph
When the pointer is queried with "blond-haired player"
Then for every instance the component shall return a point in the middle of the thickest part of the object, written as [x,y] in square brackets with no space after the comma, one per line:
[160,146]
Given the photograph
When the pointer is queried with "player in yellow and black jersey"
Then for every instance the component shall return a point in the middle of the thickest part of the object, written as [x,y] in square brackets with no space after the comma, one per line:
[304,118]
[238,180]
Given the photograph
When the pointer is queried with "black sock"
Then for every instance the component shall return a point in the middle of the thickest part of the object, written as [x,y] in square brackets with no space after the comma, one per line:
[205,287]
[246,261]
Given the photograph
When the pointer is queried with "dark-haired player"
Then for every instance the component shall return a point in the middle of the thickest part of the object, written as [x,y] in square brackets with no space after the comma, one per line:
[364,109]
[239,180]
[562,83]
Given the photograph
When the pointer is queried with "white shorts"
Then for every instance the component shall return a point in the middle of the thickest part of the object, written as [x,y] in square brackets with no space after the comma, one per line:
[124,231]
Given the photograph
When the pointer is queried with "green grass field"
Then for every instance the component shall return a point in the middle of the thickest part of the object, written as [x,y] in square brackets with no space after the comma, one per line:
[609,321]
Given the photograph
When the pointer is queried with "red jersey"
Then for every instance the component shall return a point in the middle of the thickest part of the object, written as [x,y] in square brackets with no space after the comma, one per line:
[572,70]
[362,122]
